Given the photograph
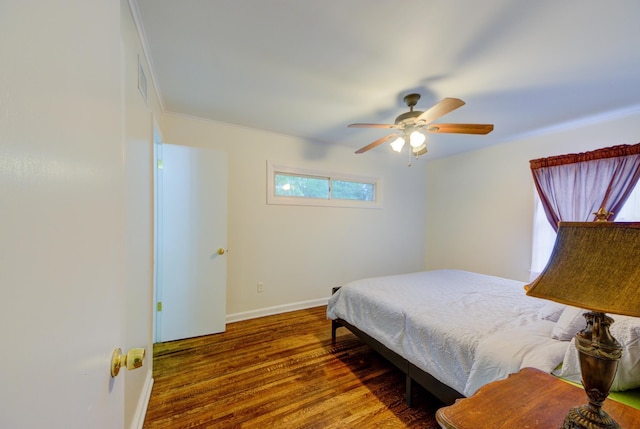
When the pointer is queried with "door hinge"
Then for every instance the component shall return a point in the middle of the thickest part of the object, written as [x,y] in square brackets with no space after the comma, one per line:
[159,306]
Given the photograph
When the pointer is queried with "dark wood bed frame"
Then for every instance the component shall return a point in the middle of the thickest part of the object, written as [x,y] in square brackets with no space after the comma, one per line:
[412,373]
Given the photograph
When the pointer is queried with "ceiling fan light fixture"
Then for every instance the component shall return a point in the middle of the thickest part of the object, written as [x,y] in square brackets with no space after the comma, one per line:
[419,150]
[416,138]
[397,144]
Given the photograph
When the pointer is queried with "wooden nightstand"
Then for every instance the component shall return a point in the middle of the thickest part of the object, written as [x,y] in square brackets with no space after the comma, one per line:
[529,399]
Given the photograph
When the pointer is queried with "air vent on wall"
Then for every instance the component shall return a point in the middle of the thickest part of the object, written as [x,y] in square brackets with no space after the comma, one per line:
[142,81]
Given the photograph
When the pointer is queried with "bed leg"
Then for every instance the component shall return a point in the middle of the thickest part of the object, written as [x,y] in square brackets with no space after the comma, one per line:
[409,390]
[334,327]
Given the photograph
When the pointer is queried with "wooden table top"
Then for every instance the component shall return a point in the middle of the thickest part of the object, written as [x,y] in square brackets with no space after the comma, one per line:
[529,399]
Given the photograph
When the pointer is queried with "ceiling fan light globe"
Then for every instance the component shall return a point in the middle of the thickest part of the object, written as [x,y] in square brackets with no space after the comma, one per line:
[397,144]
[416,139]
[418,149]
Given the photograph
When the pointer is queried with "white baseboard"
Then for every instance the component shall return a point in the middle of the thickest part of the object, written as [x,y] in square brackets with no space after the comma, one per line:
[143,402]
[278,309]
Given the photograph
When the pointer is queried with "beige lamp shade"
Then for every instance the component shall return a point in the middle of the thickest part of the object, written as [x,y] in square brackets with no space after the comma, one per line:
[595,266]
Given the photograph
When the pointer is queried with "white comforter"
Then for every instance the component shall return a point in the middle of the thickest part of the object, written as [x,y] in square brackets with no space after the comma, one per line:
[465,329]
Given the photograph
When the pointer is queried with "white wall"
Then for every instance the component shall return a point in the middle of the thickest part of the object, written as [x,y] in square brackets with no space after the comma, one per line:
[480,204]
[299,253]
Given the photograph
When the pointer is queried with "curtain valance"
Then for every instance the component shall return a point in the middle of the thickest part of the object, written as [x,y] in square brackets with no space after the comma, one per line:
[572,187]
[607,152]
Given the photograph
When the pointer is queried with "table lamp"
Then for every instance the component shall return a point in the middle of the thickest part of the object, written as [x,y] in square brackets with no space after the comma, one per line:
[594,266]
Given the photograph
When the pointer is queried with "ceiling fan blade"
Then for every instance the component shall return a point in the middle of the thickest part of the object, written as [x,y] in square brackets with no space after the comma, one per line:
[439,109]
[372,126]
[376,143]
[460,128]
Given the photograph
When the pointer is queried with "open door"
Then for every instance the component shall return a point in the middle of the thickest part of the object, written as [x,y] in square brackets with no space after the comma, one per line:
[62,182]
[192,239]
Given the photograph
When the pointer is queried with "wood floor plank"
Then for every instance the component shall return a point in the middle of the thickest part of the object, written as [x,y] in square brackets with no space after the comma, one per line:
[280,371]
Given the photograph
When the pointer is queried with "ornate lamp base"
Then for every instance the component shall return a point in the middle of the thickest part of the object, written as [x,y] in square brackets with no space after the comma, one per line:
[589,417]
[599,354]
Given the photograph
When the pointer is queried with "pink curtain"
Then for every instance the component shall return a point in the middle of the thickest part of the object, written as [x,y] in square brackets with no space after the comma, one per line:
[572,187]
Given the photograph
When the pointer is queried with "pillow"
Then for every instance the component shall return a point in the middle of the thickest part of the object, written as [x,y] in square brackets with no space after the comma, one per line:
[626,330]
[551,311]
[571,322]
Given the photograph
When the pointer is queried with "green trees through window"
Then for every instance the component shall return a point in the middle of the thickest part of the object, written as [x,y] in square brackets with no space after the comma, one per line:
[302,186]
[288,185]
[345,190]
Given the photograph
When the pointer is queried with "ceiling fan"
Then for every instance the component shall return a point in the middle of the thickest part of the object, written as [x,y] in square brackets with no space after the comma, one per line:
[414,124]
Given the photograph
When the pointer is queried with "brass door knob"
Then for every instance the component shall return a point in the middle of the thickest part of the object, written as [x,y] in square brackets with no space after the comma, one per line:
[221,251]
[131,360]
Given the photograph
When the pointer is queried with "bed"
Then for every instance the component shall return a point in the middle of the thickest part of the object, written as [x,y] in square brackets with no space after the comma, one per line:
[453,331]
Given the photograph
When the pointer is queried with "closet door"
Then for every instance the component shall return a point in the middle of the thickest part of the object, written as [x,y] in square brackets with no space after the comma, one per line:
[192,239]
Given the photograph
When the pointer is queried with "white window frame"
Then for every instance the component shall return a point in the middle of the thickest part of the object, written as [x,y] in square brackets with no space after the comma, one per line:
[272,198]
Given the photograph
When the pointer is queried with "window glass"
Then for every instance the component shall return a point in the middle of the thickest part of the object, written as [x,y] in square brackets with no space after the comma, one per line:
[298,186]
[630,212]
[543,240]
[288,185]
[346,190]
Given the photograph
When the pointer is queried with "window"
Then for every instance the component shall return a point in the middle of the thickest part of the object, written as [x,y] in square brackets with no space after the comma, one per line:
[631,210]
[296,186]
[544,237]
[576,184]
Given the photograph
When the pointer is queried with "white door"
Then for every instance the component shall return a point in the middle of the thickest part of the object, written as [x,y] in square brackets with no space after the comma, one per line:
[193,238]
[62,215]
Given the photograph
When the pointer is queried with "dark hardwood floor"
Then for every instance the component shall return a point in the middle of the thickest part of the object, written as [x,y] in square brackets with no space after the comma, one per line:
[280,372]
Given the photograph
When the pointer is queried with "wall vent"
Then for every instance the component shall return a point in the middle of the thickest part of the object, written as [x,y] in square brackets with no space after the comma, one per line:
[142,81]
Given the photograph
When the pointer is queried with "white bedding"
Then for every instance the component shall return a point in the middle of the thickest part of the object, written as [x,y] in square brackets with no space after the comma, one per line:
[465,329]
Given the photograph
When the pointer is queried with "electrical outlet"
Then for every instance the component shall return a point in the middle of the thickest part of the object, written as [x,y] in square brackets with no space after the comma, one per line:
[260,287]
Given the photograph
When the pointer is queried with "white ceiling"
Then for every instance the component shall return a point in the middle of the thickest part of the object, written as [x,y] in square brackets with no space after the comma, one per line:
[310,68]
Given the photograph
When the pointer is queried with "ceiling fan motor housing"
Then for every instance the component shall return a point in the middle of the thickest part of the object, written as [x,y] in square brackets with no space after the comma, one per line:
[408,118]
